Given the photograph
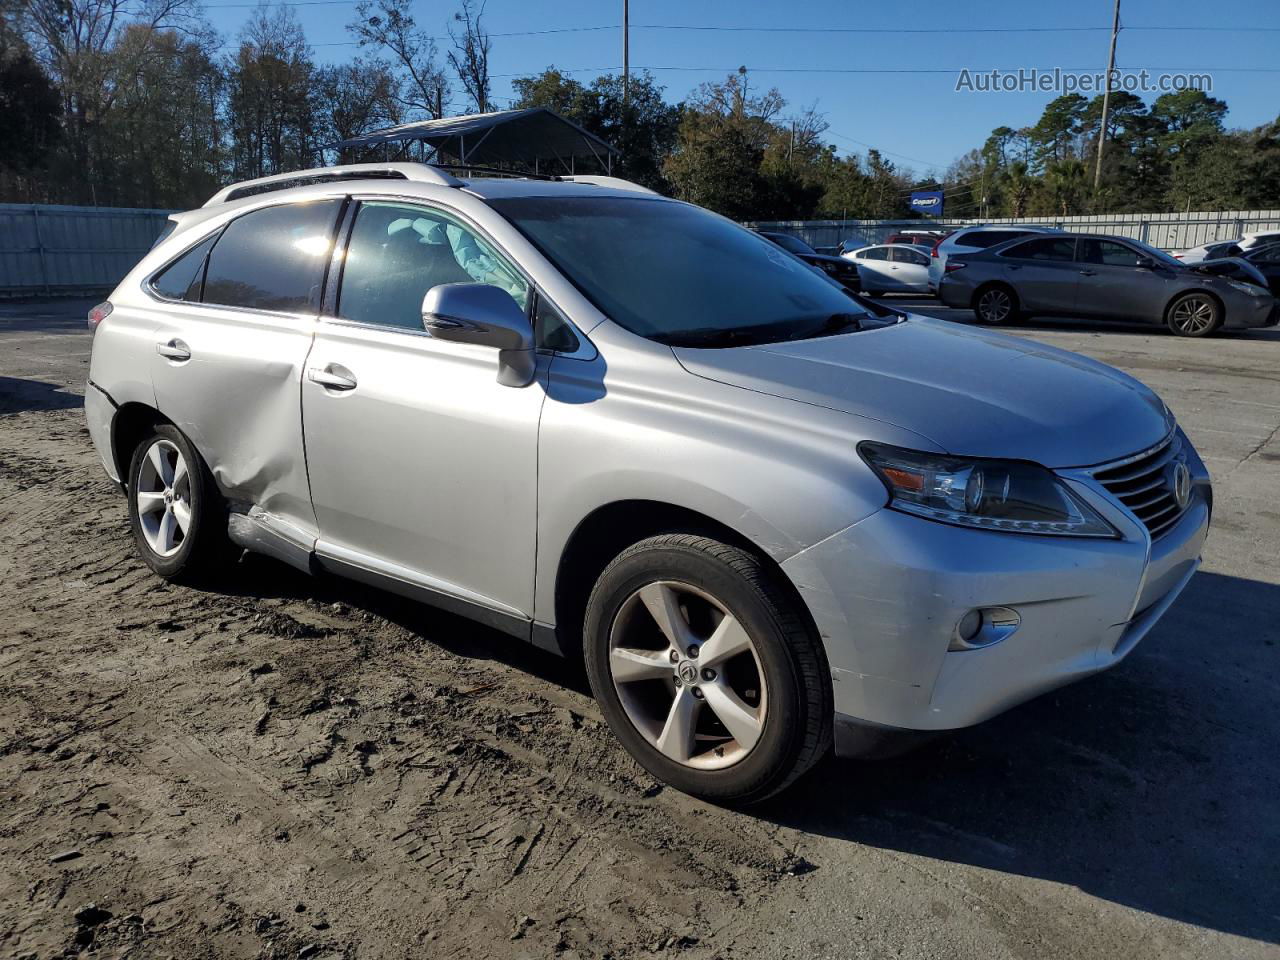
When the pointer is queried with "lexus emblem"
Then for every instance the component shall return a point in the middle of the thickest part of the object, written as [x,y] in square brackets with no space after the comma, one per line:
[689,672]
[1181,485]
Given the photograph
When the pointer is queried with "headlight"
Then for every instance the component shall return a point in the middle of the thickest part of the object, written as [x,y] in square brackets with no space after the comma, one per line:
[1006,495]
[1252,289]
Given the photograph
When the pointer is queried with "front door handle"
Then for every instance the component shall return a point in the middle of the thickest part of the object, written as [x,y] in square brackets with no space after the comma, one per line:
[175,349]
[1088,273]
[332,377]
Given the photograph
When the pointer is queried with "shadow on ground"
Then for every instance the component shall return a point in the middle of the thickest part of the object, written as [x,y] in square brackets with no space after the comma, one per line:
[1155,785]
[18,395]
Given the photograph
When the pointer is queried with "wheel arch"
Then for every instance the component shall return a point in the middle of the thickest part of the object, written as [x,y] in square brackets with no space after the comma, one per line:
[1168,306]
[989,285]
[129,427]
[612,527]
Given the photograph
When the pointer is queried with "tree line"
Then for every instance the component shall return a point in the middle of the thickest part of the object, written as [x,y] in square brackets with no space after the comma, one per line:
[139,103]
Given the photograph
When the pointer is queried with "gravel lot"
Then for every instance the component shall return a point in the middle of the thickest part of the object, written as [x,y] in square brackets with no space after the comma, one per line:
[304,768]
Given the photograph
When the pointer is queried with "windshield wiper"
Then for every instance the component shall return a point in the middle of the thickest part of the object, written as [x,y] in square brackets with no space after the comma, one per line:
[714,337]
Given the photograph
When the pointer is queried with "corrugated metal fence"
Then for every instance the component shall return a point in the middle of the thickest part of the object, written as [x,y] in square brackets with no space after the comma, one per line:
[67,250]
[1170,231]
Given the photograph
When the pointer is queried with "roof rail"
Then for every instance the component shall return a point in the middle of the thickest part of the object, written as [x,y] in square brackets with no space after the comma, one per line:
[421,172]
[616,182]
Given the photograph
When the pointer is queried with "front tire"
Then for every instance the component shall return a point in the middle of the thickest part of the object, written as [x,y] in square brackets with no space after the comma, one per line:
[178,516]
[706,670]
[1194,315]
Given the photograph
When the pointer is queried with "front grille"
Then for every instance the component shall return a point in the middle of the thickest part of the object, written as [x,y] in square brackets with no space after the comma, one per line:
[1144,483]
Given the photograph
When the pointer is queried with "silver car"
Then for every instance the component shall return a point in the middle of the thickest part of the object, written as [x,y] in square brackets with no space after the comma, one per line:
[1094,275]
[892,267]
[971,240]
[770,517]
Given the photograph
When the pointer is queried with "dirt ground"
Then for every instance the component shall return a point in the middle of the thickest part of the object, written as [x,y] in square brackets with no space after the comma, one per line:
[292,767]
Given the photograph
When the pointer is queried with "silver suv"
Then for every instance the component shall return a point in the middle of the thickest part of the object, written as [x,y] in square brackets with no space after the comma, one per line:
[770,516]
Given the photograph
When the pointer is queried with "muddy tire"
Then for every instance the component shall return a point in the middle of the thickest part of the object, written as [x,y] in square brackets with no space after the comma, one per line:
[706,670]
[178,517]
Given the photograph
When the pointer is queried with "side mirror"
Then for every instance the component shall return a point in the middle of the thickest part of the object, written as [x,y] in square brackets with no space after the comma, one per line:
[1146,263]
[486,315]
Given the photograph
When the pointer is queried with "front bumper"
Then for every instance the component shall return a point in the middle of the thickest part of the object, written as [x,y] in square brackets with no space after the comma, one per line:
[887,593]
[1247,313]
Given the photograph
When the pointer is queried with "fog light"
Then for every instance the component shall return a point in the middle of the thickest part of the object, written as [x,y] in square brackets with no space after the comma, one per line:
[984,627]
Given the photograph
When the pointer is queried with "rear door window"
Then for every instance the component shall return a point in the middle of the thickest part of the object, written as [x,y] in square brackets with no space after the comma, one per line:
[904,255]
[875,253]
[981,239]
[273,258]
[1043,248]
[181,279]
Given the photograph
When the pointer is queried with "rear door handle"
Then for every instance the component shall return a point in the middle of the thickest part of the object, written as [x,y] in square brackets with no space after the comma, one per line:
[332,377]
[175,349]
[1088,273]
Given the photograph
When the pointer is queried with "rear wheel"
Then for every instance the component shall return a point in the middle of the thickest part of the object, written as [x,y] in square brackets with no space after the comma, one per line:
[176,512]
[705,669]
[1194,315]
[996,304]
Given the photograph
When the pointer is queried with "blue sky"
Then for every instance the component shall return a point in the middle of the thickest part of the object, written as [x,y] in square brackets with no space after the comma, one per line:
[916,118]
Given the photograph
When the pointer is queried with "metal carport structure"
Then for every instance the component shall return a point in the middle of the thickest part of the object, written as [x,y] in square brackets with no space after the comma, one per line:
[533,137]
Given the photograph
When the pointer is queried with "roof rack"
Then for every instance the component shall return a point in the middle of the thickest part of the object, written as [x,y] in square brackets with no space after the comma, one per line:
[421,172]
[601,181]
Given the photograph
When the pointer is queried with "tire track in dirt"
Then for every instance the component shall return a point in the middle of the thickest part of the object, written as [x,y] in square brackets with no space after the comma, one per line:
[288,763]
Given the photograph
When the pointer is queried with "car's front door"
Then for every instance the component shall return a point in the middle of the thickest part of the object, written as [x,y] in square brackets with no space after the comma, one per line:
[1118,281]
[423,466]
[874,269]
[230,348]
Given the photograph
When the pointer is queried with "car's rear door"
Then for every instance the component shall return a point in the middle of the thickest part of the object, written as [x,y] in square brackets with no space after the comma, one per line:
[229,354]
[1043,272]
[423,466]
[910,268]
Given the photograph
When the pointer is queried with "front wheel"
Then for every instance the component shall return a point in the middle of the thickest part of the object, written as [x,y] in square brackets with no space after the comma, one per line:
[706,670]
[1194,315]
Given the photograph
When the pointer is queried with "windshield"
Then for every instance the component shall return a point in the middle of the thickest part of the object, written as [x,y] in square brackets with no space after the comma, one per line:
[1158,255]
[680,275]
[788,242]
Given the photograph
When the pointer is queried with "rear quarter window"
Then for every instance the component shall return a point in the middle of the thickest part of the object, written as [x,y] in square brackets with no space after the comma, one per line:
[981,239]
[181,279]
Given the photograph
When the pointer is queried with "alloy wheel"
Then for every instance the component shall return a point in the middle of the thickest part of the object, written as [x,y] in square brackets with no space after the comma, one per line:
[163,496]
[688,675]
[995,306]
[1193,315]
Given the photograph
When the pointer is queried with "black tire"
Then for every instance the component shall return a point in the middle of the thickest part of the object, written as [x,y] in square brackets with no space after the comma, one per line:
[996,303]
[204,547]
[796,730]
[1194,314]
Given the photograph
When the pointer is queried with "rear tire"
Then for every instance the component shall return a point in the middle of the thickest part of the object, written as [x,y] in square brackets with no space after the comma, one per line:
[1194,315]
[177,514]
[739,705]
[996,304]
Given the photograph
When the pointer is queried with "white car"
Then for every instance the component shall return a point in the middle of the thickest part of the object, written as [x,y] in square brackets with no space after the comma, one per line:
[969,240]
[892,267]
[1209,251]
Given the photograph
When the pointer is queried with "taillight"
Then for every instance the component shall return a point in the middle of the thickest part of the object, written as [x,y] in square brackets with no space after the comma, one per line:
[934,252]
[98,314]
[1177,256]
[954,265]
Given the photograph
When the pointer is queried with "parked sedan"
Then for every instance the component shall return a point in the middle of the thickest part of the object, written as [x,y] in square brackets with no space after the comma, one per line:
[839,270]
[1101,276]
[1209,251]
[970,239]
[892,268]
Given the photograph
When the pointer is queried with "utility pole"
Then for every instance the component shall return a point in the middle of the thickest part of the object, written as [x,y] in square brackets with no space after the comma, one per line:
[1106,98]
[626,53]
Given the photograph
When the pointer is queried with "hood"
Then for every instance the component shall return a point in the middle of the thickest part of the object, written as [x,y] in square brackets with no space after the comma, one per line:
[970,391]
